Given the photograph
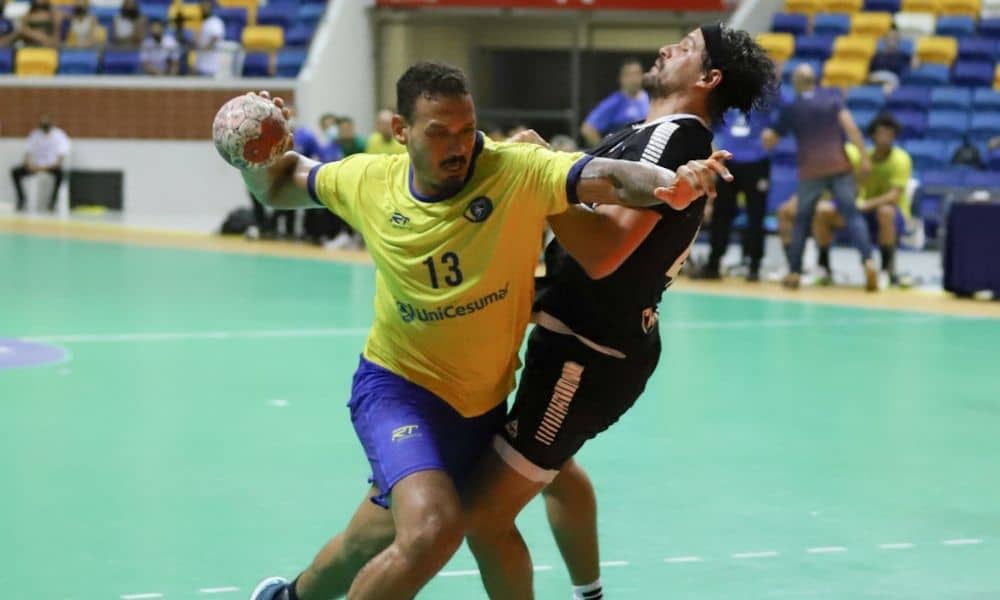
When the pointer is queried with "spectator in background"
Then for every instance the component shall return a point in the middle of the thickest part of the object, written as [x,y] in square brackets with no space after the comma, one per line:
[47,149]
[382,141]
[212,32]
[629,104]
[967,155]
[40,27]
[329,150]
[161,54]
[347,137]
[751,169]
[889,63]
[564,143]
[83,27]
[128,28]
[7,30]
[328,127]
[819,121]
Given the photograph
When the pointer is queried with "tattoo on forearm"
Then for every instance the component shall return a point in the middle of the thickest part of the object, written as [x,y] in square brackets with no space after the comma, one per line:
[633,182]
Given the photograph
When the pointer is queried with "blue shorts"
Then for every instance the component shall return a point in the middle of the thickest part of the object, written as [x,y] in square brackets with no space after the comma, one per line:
[871,218]
[404,429]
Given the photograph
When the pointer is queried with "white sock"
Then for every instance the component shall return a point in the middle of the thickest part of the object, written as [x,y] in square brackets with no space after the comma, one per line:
[591,591]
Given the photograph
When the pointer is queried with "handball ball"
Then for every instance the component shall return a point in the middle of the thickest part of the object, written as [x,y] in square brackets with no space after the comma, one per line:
[250,132]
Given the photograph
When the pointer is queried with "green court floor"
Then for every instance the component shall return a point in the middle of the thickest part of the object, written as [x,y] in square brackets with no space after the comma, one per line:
[194,439]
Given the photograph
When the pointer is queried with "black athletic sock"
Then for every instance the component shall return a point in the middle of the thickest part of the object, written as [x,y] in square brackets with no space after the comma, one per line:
[888,259]
[824,257]
[788,252]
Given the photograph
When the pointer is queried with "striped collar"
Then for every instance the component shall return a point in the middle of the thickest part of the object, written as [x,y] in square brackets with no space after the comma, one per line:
[670,118]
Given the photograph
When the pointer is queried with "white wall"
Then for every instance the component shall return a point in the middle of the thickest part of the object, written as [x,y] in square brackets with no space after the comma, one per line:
[339,76]
[169,184]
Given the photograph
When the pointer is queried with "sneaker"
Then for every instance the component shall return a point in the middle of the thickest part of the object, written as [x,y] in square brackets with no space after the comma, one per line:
[791,281]
[871,276]
[707,272]
[753,276]
[343,241]
[269,588]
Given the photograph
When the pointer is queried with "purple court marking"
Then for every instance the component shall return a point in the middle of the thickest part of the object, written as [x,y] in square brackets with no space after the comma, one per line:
[19,353]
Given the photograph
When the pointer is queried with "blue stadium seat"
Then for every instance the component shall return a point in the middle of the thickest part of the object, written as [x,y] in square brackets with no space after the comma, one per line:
[323,2]
[955,26]
[290,5]
[927,154]
[912,121]
[951,98]
[311,13]
[817,47]
[106,16]
[6,60]
[947,124]
[889,6]
[864,118]
[163,2]
[984,126]
[927,75]
[831,24]
[784,181]
[256,64]
[793,23]
[977,48]
[75,61]
[120,62]
[155,12]
[986,99]
[972,73]
[290,62]
[791,63]
[271,14]
[906,45]
[235,19]
[993,159]
[784,154]
[906,96]
[865,97]
[990,27]
[982,179]
[299,35]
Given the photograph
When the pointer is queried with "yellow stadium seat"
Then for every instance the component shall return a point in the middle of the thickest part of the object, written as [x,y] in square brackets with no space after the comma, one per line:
[250,5]
[193,28]
[190,12]
[871,23]
[996,78]
[263,38]
[807,7]
[779,46]
[922,6]
[937,49]
[36,61]
[965,8]
[844,73]
[855,47]
[842,6]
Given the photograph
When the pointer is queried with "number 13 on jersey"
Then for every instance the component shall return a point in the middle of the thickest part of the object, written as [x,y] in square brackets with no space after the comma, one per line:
[449,261]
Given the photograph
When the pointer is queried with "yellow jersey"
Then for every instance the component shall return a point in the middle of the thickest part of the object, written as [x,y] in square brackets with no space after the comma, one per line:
[454,278]
[894,171]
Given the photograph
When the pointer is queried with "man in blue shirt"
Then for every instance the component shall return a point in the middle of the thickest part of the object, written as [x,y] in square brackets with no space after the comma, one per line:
[751,169]
[819,120]
[628,105]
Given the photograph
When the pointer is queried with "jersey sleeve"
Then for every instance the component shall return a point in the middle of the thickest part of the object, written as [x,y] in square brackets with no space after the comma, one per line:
[340,186]
[680,145]
[550,177]
[603,115]
[902,169]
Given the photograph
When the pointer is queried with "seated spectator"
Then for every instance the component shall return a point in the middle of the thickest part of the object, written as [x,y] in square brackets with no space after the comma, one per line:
[83,27]
[382,141]
[967,155]
[8,32]
[160,52]
[213,31]
[47,149]
[128,28]
[889,64]
[40,27]
[882,199]
[347,137]
[629,104]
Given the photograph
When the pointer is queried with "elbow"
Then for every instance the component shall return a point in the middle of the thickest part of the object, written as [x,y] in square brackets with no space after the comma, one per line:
[601,268]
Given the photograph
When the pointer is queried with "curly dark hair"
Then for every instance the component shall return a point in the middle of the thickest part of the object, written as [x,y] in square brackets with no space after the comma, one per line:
[884,119]
[428,79]
[749,78]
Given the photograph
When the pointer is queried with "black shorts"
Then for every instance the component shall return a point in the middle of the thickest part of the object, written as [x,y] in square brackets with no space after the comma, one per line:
[568,394]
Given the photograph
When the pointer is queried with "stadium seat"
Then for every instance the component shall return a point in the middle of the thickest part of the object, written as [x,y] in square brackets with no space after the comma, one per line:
[996,78]
[120,62]
[235,19]
[784,181]
[865,97]
[806,7]
[190,12]
[993,160]
[982,180]
[815,47]
[257,64]
[909,97]
[927,154]
[922,6]
[905,45]
[844,73]
[864,118]
[871,23]
[36,61]
[973,73]
[912,122]
[795,24]
[976,48]
[106,15]
[299,35]
[248,5]
[947,124]
[831,24]
[290,5]
[854,47]
[784,154]
[779,46]
[929,74]
[842,6]
[310,14]
[914,24]
[937,49]
[951,98]
[156,12]
[957,26]
[101,34]
[985,99]
[6,60]
[990,27]
[889,6]
[984,126]
[965,8]
[276,15]
[263,38]
[75,61]
[290,62]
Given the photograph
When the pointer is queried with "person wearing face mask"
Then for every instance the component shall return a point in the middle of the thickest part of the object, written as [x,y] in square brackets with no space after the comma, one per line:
[213,31]
[47,149]
[82,27]
[160,52]
[129,26]
[40,27]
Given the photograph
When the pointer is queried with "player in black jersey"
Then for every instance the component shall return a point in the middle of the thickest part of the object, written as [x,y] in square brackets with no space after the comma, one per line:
[596,340]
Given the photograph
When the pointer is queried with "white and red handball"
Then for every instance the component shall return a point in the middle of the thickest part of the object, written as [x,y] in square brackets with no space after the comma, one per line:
[250,132]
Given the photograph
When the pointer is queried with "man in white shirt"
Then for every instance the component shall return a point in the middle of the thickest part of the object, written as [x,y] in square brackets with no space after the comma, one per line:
[160,52]
[47,149]
[213,31]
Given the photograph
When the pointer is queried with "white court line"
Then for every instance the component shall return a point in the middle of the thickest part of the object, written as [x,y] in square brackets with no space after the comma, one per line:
[614,563]
[141,596]
[465,573]
[962,542]
[540,568]
[219,590]
[826,550]
[896,546]
[761,554]
[683,559]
